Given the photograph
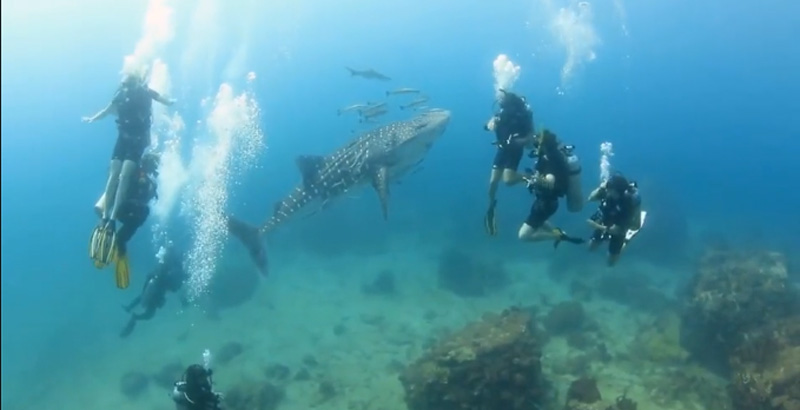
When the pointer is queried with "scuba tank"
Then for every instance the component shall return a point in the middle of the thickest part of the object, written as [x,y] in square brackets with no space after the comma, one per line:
[574,193]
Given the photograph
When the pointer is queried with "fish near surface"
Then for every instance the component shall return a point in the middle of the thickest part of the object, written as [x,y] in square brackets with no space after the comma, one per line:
[377,157]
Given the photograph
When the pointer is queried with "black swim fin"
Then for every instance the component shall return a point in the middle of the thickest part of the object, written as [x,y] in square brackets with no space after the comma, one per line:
[489,221]
[563,237]
[251,239]
[128,329]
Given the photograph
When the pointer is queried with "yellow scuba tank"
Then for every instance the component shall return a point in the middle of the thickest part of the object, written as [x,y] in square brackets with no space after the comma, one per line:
[574,192]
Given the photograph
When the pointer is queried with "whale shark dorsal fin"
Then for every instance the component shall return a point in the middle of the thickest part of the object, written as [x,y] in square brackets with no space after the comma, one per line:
[309,166]
[380,181]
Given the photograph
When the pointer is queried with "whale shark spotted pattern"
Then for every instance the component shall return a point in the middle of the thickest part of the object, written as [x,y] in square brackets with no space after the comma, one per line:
[377,157]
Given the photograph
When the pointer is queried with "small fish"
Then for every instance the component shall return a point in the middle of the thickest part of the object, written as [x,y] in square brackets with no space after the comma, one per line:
[412,104]
[403,91]
[372,108]
[354,107]
[369,74]
[374,114]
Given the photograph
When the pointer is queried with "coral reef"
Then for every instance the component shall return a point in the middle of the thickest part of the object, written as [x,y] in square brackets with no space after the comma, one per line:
[491,364]
[743,317]
[460,273]
[686,386]
[583,394]
[583,390]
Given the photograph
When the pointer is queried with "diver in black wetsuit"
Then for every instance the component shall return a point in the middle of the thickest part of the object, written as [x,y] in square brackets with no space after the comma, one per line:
[513,129]
[618,216]
[194,390]
[168,276]
[555,175]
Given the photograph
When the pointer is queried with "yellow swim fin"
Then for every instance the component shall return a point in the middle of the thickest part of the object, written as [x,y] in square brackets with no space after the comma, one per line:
[102,244]
[122,271]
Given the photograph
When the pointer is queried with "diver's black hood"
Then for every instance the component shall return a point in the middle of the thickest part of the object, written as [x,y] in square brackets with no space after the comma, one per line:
[511,101]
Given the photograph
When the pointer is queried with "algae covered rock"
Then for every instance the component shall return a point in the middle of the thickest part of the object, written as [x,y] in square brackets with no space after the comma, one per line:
[491,364]
[734,294]
[766,368]
[742,311]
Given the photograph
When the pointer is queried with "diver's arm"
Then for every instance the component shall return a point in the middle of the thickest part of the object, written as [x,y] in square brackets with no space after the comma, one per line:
[100,114]
[530,140]
[491,124]
[596,194]
[596,224]
[160,98]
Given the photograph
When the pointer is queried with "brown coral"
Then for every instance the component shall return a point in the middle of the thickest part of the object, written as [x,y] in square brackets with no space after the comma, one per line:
[741,307]
[491,364]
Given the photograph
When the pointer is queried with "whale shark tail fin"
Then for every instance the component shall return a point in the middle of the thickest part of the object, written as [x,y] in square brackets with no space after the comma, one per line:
[250,236]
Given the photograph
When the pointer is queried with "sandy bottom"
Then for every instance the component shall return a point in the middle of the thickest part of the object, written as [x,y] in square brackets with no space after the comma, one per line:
[316,307]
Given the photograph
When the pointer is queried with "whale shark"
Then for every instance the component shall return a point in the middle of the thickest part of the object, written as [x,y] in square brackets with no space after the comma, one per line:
[377,157]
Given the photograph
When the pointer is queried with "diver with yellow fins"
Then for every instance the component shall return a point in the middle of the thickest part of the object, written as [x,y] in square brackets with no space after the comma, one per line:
[105,249]
[556,174]
[133,105]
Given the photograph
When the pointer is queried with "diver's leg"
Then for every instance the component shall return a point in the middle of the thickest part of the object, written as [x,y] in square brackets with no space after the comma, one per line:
[528,233]
[133,304]
[534,228]
[615,248]
[125,177]
[147,314]
[511,175]
[99,206]
[132,218]
[489,220]
[111,187]
[596,240]
[494,182]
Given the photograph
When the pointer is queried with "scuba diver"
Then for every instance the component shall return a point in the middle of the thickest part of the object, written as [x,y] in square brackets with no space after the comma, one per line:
[513,128]
[133,106]
[555,175]
[618,217]
[132,214]
[194,391]
[168,276]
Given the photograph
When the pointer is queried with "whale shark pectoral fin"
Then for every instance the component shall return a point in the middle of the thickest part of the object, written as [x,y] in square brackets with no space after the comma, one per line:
[251,239]
[309,166]
[380,181]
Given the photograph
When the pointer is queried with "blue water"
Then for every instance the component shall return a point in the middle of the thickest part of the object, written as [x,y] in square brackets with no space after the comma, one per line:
[700,100]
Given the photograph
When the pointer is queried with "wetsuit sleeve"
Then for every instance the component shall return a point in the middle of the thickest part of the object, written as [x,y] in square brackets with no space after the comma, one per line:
[153,93]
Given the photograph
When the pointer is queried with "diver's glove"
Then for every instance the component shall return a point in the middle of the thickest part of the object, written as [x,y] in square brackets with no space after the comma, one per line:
[489,126]
[539,181]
